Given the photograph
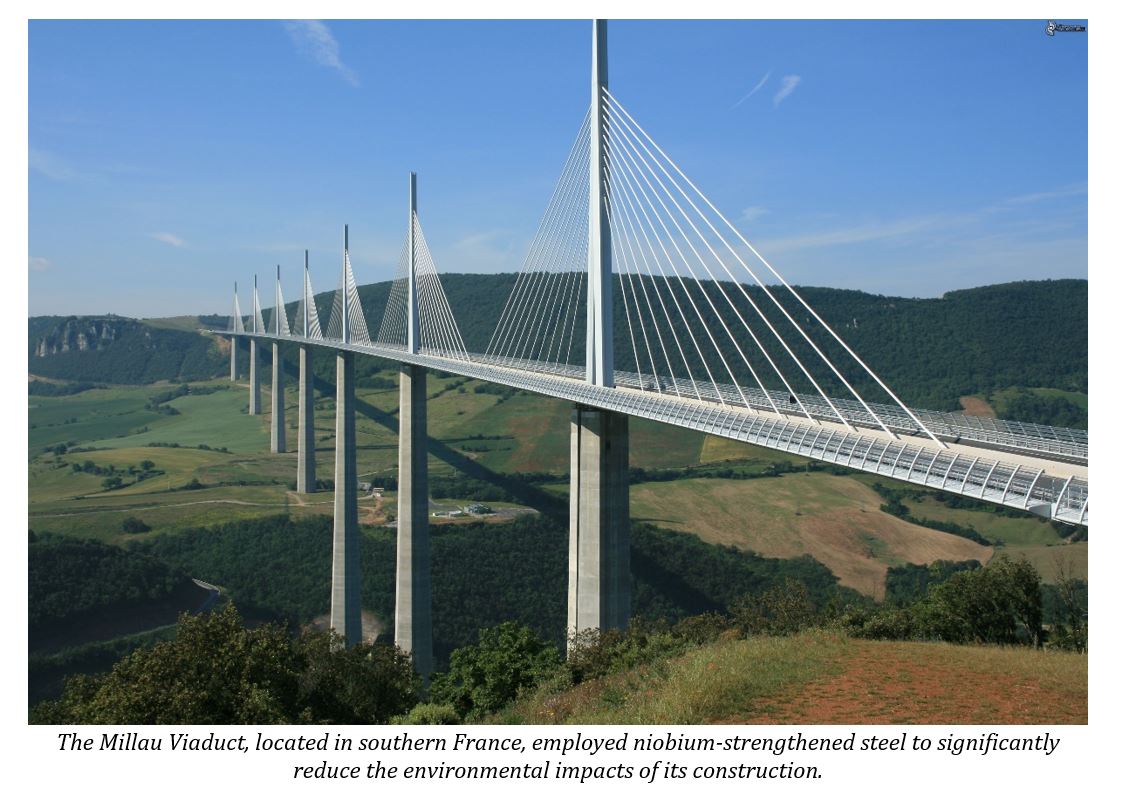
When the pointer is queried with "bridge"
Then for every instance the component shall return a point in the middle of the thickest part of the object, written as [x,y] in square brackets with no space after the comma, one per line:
[630,258]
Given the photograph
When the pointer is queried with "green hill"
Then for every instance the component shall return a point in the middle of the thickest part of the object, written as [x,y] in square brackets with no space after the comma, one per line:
[931,351]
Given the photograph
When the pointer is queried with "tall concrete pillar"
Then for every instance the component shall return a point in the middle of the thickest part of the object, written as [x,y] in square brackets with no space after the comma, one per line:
[598,567]
[414,584]
[306,468]
[345,611]
[255,380]
[277,403]
[233,358]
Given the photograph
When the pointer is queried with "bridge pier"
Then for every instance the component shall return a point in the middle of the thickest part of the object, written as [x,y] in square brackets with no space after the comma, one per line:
[345,609]
[233,359]
[598,566]
[306,472]
[255,381]
[414,585]
[277,402]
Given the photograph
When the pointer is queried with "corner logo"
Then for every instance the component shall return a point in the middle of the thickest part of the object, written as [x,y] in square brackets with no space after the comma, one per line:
[1053,26]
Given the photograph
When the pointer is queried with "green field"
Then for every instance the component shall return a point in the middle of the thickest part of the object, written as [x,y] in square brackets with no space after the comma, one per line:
[836,519]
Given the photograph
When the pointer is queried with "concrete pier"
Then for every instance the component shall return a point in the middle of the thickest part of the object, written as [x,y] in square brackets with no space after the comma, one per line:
[306,467]
[233,358]
[598,567]
[277,403]
[414,586]
[255,380]
[345,611]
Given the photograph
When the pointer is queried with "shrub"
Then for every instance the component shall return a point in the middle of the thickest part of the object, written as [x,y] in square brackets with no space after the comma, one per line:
[134,525]
[485,677]
[436,714]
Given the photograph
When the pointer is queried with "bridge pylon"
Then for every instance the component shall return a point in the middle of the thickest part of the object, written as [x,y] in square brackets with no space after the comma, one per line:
[598,567]
[413,615]
[345,609]
[306,467]
[255,378]
[277,378]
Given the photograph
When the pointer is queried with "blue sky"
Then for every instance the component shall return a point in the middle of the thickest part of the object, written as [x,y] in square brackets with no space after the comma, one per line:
[169,159]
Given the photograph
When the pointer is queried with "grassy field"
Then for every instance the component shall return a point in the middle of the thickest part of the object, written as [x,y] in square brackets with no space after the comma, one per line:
[822,678]
[836,519]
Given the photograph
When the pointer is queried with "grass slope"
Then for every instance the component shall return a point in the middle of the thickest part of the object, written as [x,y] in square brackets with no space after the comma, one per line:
[836,519]
[479,434]
[822,678]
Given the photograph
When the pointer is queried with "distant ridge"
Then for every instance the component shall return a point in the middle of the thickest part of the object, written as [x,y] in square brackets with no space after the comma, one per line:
[932,351]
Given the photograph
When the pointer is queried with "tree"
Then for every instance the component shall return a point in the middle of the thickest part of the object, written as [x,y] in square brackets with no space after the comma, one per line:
[1069,598]
[358,685]
[999,603]
[485,677]
[216,671]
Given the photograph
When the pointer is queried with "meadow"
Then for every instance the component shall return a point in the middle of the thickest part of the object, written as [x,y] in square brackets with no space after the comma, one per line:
[210,465]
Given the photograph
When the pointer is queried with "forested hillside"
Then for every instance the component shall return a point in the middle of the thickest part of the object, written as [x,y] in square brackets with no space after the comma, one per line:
[76,582]
[482,574]
[110,349]
[931,351]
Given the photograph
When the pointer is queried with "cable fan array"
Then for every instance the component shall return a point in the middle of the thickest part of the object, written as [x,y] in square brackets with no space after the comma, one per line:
[439,333]
[694,315]
[546,308]
[306,323]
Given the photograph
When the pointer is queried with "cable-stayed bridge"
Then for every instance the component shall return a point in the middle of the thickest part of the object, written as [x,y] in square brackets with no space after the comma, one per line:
[631,260]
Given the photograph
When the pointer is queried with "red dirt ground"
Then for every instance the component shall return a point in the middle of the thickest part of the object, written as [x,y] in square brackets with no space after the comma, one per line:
[888,684]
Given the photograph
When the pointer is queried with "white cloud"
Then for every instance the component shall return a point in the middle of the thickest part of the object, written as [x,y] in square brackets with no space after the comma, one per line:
[38,263]
[852,235]
[314,40]
[1038,197]
[751,213]
[788,85]
[50,165]
[756,87]
[170,239]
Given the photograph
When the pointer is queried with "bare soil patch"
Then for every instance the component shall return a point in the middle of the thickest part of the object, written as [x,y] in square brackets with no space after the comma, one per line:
[910,683]
[976,407]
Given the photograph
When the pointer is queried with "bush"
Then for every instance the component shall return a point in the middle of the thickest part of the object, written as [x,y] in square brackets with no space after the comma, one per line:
[436,714]
[134,525]
[485,677]
[782,610]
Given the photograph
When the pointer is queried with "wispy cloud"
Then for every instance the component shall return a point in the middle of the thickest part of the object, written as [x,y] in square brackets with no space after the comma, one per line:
[51,165]
[756,87]
[852,235]
[1032,198]
[910,229]
[38,264]
[169,239]
[751,213]
[788,85]
[314,40]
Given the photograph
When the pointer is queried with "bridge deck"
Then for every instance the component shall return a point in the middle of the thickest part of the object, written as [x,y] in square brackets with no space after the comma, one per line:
[1032,468]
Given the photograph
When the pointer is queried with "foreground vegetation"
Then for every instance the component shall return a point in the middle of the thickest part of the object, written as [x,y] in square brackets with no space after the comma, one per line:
[755,663]
[216,671]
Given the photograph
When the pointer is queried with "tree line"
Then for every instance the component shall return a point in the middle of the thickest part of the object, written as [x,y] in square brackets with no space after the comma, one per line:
[931,351]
